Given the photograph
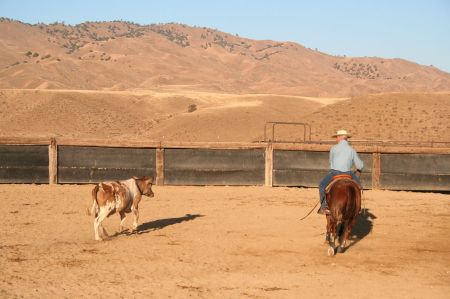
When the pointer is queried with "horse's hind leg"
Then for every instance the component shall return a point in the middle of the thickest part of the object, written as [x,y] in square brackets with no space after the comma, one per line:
[332,246]
[328,234]
[348,229]
[340,230]
[331,237]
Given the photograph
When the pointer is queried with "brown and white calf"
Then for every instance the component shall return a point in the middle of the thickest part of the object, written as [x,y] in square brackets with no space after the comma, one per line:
[121,197]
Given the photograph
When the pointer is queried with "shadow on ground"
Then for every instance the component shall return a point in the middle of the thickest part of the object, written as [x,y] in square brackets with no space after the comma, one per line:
[162,223]
[156,225]
[363,227]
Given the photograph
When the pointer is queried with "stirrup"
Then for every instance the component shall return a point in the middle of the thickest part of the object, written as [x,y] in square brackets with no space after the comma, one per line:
[323,211]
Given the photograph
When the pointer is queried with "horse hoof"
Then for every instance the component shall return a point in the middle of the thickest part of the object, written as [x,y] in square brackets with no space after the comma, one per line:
[340,249]
[330,251]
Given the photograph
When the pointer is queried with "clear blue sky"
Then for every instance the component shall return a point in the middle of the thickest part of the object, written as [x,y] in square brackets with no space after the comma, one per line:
[411,29]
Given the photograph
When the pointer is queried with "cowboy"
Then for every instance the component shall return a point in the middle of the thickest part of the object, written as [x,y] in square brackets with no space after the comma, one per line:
[342,158]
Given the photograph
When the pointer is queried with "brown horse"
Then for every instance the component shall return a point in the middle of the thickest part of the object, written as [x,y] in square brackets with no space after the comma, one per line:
[344,202]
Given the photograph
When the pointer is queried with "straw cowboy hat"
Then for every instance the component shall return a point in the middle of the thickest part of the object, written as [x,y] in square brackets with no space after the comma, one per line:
[342,133]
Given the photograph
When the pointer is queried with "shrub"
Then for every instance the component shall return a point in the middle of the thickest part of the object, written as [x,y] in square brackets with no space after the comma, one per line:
[192,108]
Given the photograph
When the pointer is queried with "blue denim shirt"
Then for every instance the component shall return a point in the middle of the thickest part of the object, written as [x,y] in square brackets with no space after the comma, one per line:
[342,157]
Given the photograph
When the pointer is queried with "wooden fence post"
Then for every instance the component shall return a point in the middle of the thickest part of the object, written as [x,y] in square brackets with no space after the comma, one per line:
[160,166]
[376,170]
[269,165]
[53,162]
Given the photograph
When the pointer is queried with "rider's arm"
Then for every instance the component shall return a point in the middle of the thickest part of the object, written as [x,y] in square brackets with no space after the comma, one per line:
[359,164]
[331,157]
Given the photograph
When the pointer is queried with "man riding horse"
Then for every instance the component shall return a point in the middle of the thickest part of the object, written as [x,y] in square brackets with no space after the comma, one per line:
[342,158]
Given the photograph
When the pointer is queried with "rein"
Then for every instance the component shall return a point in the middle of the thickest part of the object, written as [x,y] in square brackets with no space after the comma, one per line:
[310,211]
[343,176]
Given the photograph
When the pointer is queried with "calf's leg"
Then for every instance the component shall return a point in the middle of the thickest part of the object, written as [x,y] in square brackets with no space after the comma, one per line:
[122,220]
[103,213]
[136,218]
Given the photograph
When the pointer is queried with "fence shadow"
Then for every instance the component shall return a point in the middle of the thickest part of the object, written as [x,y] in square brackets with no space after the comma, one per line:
[162,223]
[363,227]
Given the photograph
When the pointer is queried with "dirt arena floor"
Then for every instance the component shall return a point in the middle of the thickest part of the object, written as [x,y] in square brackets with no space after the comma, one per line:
[221,242]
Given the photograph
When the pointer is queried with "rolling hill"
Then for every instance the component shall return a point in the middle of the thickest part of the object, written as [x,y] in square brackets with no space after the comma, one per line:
[181,115]
[126,56]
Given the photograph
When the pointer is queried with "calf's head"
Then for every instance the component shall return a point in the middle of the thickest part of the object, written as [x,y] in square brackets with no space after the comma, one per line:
[145,185]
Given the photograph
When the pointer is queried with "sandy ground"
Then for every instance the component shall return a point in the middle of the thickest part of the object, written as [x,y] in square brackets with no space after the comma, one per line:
[221,242]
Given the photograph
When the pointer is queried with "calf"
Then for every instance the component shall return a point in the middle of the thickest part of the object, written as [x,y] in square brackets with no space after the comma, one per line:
[121,197]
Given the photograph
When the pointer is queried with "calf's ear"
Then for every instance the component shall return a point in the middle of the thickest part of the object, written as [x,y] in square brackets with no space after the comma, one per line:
[116,187]
[106,188]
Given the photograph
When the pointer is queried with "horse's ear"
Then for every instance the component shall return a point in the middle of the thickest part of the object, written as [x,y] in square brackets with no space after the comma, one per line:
[136,177]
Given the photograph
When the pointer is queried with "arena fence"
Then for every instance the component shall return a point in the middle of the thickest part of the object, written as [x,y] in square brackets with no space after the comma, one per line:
[392,166]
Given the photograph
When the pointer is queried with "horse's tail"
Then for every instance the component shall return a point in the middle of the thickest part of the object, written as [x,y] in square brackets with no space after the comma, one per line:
[355,194]
[348,211]
[351,200]
[337,215]
[350,207]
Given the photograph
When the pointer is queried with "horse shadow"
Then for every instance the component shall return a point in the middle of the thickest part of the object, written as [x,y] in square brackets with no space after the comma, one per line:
[363,226]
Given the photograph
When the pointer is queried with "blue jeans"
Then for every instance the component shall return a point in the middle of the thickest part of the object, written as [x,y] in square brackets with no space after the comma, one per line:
[327,179]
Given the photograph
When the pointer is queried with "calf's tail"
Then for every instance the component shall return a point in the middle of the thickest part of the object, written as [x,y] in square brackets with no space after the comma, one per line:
[94,207]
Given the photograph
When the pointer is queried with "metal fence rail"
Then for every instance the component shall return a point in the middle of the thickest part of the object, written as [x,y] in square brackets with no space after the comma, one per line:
[274,124]
[387,166]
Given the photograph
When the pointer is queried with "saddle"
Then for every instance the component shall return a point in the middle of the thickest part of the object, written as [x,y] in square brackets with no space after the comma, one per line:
[339,177]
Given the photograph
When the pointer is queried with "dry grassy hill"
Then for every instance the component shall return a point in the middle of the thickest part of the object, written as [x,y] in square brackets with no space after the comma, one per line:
[395,116]
[124,56]
[150,115]
[116,80]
